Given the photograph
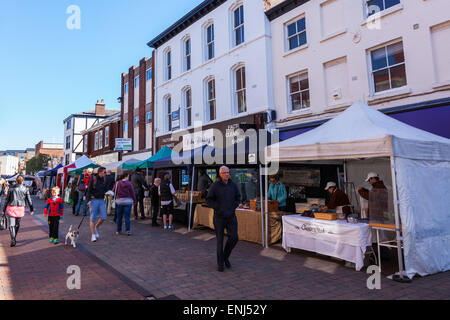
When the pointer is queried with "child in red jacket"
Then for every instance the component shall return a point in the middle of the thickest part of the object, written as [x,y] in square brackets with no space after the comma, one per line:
[54,208]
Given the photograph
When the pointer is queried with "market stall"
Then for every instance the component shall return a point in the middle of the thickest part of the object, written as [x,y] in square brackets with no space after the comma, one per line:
[419,163]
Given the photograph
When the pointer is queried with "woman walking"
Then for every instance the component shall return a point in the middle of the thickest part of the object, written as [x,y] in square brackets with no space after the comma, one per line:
[15,203]
[124,199]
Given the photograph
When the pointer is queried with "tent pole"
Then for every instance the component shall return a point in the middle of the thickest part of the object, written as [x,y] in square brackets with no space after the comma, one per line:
[397,217]
[261,203]
[266,178]
[192,195]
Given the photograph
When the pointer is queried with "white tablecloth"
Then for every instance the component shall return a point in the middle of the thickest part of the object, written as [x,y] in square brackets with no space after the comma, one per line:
[338,239]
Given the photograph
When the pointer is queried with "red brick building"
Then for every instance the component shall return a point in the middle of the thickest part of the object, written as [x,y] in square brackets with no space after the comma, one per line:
[137,109]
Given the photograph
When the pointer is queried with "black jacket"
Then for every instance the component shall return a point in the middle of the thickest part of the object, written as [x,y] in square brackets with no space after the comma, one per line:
[154,196]
[110,182]
[224,198]
[18,195]
[97,188]
[138,184]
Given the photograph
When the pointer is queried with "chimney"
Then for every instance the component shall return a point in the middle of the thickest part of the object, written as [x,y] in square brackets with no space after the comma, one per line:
[100,108]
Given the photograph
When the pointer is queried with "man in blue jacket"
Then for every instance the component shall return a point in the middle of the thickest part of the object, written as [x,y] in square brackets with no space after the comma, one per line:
[224,197]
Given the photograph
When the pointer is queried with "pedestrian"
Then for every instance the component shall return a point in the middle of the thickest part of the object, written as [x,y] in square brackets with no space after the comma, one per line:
[95,197]
[139,184]
[154,197]
[109,195]
[204,182]
[16,200]
[74,193]
[125,198]
[224,197]
[54,208]
[82,187]
[277,191]
[166,191]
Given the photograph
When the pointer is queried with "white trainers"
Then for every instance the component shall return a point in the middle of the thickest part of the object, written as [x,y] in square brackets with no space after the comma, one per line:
[93,238]
[96,234]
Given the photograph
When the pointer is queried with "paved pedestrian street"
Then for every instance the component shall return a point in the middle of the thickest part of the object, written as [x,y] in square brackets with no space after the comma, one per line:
[168,265]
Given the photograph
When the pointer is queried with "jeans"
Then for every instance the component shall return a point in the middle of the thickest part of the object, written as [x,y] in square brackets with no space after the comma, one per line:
[80,200]
[98,209]
[155,211]
[140,200]
[123,211]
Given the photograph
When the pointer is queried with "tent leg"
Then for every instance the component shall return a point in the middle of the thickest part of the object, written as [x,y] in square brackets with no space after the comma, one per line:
[192,194]
[261,203]
[266,178]
[397,217]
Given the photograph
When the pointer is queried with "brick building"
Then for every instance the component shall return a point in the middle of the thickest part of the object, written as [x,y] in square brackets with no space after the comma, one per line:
[99,140]
[137,109]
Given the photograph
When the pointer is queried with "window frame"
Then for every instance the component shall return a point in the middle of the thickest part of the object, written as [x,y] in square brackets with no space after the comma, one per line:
[168,113]
[210,43]
[96,141]
[136,82]
[240,26]
[297,34]
[106,136]
[187,56]
[68,142]
[125,127]
[290,94]
[85,142]
[147,73]
[125,90]
[237,91]
[208,99]
[187,107]
[366,8]
[168,64]
[388,67]
[100,139]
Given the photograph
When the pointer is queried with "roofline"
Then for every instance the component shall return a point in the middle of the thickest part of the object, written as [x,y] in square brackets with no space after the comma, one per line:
[89,116]
[283,7]
[187,20]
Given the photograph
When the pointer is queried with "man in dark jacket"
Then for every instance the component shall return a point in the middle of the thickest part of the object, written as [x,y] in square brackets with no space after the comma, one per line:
[154,197]
[377,197]
[95,197]
[139,184]
[224,198]
[338,200]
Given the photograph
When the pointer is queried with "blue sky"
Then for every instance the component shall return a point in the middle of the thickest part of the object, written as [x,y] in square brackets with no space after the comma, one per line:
[49,72]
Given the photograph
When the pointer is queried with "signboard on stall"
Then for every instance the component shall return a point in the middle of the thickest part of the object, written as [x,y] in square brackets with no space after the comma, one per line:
[303,177]
[198,139]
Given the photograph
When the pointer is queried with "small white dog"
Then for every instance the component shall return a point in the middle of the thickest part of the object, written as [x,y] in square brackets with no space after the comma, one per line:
[73,236]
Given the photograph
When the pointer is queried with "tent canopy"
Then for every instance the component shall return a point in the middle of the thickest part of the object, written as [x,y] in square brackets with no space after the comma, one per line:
[362,132]
[165,152]
[116,165]
[79,165]
[421,173]
[51,172]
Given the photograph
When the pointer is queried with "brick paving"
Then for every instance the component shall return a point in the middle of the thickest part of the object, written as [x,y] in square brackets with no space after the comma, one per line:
[36,269]
[184,265]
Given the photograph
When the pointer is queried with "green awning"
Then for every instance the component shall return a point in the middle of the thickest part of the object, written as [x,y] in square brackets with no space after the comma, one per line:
[79,171]
[165,152]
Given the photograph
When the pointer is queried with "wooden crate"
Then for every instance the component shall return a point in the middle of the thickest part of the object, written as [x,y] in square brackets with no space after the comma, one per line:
[255,205]
[325,216]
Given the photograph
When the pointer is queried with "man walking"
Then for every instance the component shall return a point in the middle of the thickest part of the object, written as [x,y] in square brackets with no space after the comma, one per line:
[95,196]
[139,184]
[224,197]
[154,197]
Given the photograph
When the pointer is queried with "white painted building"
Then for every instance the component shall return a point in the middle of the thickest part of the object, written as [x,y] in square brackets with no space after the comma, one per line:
[213,67]
[75,124]
[9,165]
[328,54]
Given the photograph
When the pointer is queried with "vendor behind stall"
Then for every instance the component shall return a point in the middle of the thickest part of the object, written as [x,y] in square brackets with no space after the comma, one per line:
[377,197]
[277,191]
[338,201]
[204,182]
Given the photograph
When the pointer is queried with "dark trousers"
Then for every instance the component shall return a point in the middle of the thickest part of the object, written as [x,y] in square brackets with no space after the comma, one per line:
[155,211]
[53,226]
[140,200]
[220,224]
[14,225]
[75,202]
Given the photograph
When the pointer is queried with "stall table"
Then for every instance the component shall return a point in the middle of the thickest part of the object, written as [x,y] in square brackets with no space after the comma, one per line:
[338,238]
[249,223]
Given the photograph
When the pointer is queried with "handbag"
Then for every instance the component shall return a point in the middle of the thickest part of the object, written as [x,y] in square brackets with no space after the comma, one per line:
[3,222]
[113,204]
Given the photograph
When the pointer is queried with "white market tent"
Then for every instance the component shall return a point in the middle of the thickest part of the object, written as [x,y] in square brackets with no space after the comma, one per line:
[420,164]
